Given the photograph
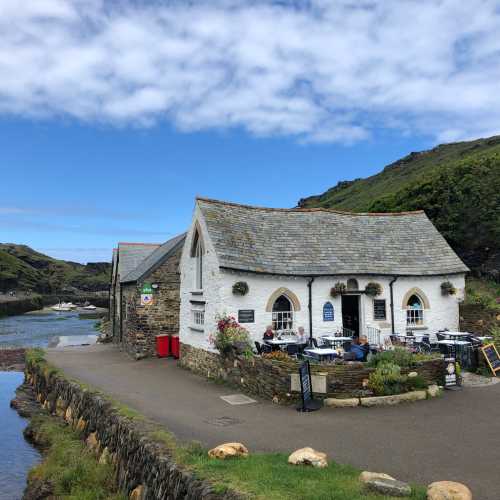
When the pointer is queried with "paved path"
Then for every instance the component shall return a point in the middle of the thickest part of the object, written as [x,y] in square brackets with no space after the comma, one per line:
[456,437]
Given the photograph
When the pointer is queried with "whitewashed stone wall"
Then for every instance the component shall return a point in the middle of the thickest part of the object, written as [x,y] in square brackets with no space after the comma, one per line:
[218,297]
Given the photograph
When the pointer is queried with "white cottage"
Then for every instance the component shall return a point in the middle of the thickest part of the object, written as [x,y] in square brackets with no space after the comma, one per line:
[291,258]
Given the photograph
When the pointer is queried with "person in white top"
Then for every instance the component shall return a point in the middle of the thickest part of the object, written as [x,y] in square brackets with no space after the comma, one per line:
[301,336]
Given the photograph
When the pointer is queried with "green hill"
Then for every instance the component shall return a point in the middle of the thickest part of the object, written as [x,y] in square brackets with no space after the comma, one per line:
[22,268]
[458,186]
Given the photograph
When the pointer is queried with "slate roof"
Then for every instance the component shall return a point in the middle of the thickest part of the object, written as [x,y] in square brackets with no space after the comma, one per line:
[130,255]
[155,259]
[314,242]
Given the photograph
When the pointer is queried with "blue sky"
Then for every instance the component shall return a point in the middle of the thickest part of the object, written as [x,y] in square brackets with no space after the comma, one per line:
[115,115]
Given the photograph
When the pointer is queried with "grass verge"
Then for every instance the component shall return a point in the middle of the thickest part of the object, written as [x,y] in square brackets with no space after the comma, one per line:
[68,466]
[260,476]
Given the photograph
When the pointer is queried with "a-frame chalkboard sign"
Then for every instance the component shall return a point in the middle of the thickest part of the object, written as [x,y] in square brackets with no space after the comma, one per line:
[492,358]
[308,402]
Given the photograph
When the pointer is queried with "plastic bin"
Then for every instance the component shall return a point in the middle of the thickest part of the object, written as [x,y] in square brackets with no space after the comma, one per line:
[175,346]
[163,345]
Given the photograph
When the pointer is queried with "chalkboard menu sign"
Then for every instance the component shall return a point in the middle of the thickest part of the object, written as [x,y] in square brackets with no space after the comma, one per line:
[246,316]
[308,402]
[450,378]
[492,358]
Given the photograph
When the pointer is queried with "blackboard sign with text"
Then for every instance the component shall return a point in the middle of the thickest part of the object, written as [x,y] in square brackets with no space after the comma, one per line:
[450,378]
[246,316]
[492,358]
[308,402]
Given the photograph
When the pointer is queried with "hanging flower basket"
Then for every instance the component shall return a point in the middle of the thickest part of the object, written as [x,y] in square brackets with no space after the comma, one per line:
[373,289]
[338,289]
[447,288]
[240,288]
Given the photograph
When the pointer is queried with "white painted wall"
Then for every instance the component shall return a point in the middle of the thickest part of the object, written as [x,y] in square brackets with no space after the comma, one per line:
[219,299]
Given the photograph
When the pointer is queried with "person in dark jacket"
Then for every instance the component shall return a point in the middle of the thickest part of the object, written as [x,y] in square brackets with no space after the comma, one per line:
[360,348]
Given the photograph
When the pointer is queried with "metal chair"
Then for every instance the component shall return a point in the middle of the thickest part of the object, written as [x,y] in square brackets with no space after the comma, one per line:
[292,350]
[258,347]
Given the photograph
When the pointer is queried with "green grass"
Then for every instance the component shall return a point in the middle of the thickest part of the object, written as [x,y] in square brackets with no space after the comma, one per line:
[72,470]
[483,292]
[270,477]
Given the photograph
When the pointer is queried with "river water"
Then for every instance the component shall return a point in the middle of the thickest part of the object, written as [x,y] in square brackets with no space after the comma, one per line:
[33,329]
[37,328]
[16,455]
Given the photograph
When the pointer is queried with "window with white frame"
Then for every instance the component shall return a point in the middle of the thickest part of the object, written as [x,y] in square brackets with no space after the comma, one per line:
[282,314]
[414,311]
[197,254]
[198,317]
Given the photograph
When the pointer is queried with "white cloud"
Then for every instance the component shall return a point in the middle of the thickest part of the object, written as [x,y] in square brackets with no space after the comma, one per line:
[331,71]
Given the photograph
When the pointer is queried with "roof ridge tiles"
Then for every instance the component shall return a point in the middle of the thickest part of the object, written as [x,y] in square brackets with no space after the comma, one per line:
[305,210]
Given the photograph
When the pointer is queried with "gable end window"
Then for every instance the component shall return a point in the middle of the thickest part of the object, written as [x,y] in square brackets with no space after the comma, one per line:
[379,310]
[197,252]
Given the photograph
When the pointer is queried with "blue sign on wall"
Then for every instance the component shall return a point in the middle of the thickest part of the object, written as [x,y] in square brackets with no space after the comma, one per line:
[328,312]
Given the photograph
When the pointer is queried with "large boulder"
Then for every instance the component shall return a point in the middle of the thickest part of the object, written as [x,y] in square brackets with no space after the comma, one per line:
[448,490]
[308,456]
[389,487]
[228,450]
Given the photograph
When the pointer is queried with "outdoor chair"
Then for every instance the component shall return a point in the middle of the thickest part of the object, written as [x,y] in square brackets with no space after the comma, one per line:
[264,348]
[292,349]
[440,336]
[258,347]
[314,342]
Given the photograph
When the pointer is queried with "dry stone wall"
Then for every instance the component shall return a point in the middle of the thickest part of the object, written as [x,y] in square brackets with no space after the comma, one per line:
[142,464]
[270,379]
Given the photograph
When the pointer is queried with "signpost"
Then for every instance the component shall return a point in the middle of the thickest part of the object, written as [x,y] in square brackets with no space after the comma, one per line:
[492,358]
[450,378]
[308,402]
[146,294]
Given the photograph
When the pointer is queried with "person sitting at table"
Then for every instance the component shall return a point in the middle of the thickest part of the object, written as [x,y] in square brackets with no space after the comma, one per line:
[360,348]
[268,334]
[301,336]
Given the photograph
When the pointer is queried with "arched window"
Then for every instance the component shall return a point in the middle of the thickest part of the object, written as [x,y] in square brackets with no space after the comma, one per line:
[352,284]
[282,314]
[197,254]
[328,314]
[414,311]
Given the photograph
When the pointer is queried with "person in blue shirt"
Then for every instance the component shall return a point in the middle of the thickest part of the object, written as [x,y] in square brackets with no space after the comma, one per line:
[360,348]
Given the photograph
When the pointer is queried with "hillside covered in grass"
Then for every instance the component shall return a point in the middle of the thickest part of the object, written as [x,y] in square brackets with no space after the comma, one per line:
[22,268]
[458,186]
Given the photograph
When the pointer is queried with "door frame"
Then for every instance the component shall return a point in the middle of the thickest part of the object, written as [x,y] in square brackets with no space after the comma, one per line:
[360,309]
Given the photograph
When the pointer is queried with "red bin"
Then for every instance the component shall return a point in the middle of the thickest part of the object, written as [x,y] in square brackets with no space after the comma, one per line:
[175,346]
[163,346]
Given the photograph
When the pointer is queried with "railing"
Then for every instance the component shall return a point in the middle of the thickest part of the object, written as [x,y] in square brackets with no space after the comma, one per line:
[373,335]
[282,320]
[347,332]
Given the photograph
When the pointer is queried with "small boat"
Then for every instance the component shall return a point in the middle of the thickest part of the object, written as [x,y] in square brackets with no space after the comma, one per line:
[90,307]
[61,307]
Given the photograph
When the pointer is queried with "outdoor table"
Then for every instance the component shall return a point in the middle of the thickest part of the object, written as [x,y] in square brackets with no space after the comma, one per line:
[321,353]
[281,342]
[455,335]
[332,338]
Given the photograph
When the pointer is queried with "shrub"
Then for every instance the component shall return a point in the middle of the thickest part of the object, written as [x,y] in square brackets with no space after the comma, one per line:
[417,383]
[278,355]
[495,333]
[240,288]
[231,335]
[447,288]
[373,289]
[387,380]
[399,356]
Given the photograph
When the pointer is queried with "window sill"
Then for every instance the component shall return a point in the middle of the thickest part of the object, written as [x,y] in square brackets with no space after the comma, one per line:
[197,329]
[420,327]
[197,292]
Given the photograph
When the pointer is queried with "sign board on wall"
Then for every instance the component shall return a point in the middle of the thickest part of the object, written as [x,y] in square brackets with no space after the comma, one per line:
[146,299]
[246,316]
[147,289]
[328,312]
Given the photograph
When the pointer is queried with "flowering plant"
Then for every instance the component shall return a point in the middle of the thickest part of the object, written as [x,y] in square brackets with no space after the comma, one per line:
[240,288]
[373,289]
[338,289]
[230,335]
[447,288]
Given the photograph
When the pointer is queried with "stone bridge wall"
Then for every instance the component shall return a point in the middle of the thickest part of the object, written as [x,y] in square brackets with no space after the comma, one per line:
[143,464]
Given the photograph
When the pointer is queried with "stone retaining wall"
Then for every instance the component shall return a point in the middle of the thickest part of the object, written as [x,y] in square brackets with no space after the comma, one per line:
[12,358]
[270,379]
[142,463]
[476,319]
[13,307]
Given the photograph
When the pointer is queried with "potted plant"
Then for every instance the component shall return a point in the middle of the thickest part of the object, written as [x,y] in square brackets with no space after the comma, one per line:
[338,289]
[447,288]
[373,289]
[231,337]
[240,288]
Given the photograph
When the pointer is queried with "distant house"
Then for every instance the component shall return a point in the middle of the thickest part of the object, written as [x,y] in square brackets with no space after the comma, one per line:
[148,295]
[290,259]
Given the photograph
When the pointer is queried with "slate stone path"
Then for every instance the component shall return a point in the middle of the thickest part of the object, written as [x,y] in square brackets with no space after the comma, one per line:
[455,437]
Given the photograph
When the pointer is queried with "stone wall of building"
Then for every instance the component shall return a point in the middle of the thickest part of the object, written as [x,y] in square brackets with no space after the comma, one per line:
[141,324]
[476,319]
[142,463]
[271,379]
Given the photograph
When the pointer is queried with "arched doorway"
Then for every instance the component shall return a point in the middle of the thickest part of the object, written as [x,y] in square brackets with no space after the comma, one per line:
[282,314]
